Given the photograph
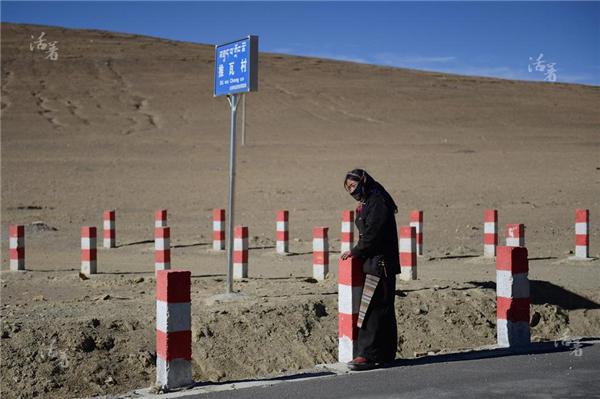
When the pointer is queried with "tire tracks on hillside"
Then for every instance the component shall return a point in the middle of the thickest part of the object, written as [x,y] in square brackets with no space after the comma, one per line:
[329,104]
[142,118]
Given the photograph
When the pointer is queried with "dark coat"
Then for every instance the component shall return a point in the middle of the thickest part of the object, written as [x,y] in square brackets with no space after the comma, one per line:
[378,336]
[378,234]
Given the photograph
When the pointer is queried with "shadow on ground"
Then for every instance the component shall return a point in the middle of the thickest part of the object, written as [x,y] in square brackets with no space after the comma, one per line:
[291,377]
[129,244]
[533,348]
[542,292]
[195,244]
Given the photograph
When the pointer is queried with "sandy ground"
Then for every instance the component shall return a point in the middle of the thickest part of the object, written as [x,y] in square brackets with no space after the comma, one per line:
[129,123]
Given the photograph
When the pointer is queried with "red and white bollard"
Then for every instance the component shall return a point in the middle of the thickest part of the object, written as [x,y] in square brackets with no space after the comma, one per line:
[282,233]
[173,329]
[16,247]
[490,232]
[162,248]
[347,231]
[512,296]
[350,284]
[88,250]
[109,229]
[416,221]
[160,218]
[240,252]
[219,229]
[320,253]
[515,235]
[408,253]
[582,230]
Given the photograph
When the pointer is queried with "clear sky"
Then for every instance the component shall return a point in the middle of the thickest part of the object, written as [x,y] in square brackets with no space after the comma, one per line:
[473,38]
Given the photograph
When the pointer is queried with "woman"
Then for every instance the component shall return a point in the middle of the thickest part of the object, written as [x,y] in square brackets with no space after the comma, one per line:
[378,247]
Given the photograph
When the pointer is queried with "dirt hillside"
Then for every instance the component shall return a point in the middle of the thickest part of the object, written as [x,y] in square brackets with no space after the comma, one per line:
[129,122]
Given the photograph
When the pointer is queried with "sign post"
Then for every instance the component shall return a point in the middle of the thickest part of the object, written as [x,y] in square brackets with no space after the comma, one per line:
[236,73]
[243,119]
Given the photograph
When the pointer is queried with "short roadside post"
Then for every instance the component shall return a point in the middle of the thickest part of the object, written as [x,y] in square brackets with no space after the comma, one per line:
[236,73]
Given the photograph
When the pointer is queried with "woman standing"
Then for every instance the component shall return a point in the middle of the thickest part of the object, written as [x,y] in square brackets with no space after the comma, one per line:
[378,247]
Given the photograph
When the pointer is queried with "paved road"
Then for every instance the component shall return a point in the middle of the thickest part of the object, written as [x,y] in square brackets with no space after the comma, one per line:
[548,375]
[555,373]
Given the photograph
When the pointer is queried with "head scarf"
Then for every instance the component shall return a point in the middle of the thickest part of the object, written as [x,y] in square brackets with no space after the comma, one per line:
[366,186]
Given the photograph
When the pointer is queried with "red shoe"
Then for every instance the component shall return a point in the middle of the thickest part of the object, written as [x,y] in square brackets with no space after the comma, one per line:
[360,364]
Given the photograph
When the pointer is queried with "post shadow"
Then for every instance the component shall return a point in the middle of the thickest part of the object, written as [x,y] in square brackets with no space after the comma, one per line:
[545,292]
[262,247]
[135,243]
[299,253]
[129,244]
[291,377]
[117,273]
[208,275]
[542,292]
[303,278]
[72,269]
[454,257]
[531,349]
[196,244]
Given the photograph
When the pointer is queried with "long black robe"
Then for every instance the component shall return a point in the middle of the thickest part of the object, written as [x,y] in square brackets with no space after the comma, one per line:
[378,336]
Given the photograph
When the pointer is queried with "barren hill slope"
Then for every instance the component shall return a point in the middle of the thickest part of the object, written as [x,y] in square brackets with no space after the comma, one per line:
[129,122]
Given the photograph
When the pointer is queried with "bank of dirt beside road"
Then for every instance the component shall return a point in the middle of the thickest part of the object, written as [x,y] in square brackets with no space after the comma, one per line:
[129,122]
[64,337]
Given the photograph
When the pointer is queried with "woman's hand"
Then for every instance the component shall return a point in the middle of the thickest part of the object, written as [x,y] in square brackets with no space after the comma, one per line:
[345,255]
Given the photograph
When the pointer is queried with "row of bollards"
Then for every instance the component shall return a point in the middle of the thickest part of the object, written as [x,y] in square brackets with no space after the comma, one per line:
[173,299]
[515,237]
[512,300]
[173,312]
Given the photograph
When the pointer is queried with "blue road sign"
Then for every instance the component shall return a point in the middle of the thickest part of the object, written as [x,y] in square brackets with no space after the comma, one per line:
[236,66]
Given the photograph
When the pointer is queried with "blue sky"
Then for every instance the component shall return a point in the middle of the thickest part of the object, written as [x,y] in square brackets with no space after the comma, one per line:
[472,38]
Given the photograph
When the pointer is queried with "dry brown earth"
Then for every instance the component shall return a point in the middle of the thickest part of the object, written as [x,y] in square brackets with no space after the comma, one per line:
[129,123]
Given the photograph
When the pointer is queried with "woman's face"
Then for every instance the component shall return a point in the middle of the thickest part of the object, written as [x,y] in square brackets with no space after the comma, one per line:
[350,185]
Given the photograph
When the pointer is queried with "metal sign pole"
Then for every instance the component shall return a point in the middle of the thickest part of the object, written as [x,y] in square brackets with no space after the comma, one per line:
[236,72]
[244,119]
[233,102]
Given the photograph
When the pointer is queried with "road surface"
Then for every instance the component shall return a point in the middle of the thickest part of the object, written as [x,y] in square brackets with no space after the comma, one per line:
[552,372]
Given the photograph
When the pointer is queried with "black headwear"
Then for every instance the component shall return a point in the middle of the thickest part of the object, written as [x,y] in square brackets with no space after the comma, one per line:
[366,185]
